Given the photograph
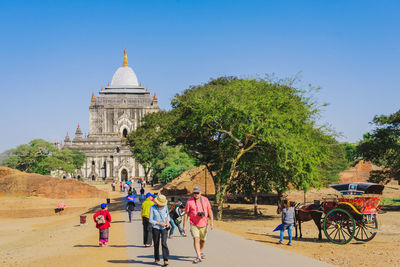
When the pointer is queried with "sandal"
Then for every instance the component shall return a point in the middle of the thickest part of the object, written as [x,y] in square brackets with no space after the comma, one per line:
[202,255]
[165,263]
[196,260]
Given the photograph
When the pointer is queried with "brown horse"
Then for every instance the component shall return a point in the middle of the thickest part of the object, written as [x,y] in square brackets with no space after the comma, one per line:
[305,213]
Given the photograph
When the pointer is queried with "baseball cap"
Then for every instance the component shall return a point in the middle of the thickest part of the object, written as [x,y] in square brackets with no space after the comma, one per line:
[197,189]
[149,195]
[103,205]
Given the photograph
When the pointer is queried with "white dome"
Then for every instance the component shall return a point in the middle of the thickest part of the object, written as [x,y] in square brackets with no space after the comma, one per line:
[124,77]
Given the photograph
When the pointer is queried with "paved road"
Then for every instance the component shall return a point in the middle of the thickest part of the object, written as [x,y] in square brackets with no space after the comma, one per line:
[222,249]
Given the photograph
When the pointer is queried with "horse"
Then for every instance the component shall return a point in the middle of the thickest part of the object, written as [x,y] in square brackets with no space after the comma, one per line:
[305,213]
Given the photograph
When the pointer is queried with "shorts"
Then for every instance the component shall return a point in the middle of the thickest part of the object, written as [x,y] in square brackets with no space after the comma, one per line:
[200,232]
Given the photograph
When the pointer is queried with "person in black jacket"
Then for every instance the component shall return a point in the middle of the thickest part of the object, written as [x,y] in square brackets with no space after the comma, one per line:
[130,206]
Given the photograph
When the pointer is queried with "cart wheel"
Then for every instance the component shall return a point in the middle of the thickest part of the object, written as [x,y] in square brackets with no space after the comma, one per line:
[364,228]
[339,226]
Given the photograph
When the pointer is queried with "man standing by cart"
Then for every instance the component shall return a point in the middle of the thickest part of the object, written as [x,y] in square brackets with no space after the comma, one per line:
[198,209]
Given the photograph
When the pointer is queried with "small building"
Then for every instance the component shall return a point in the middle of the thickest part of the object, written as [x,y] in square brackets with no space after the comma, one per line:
[115,112]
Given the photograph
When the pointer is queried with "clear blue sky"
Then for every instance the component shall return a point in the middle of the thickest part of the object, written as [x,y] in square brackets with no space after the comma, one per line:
[54,54]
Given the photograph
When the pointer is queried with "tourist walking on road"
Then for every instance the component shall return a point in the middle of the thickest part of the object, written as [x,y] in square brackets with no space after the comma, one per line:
[198,209]
[160,221]
[113,186]
[102,218]
[130,205]
[176,215]
[288,218]
[145,213]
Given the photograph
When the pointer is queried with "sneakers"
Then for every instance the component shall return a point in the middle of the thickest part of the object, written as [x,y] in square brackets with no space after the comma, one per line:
[289,244]
[280,243]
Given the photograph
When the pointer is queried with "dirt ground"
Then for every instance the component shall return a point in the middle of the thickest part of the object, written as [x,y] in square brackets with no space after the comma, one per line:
[383,250]
[58,240]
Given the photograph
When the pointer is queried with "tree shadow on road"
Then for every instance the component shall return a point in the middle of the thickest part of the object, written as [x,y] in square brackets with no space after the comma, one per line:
[236,214]
[276,236]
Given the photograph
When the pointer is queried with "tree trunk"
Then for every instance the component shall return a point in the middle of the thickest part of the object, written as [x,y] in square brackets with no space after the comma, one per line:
[255,203]
[220,204]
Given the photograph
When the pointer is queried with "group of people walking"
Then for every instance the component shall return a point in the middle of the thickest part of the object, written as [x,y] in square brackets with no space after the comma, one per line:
[159,222]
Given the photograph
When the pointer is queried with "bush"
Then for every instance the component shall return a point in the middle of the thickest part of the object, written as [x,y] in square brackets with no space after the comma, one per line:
[169,173]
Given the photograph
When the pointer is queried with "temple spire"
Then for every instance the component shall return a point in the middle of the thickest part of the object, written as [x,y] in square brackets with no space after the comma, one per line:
[125,64]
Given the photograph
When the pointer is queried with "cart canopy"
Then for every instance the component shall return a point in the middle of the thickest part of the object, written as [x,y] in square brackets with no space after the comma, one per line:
[358,188]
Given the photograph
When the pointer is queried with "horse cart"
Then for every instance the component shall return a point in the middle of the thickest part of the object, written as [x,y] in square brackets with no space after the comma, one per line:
[352,215]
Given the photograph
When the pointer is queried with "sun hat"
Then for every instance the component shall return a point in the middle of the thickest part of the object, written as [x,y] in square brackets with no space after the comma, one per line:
[161,200]
[197,189]
[103,205]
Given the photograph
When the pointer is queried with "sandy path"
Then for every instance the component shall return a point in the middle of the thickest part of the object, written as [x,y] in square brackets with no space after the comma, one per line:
[60,241]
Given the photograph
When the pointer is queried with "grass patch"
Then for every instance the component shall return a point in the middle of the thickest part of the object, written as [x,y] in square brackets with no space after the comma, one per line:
[392,201]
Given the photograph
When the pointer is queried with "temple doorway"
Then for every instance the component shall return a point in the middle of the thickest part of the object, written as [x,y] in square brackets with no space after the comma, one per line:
[124,175]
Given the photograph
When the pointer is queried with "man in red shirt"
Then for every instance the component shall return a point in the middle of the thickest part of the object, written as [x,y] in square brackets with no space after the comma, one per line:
[198,208]
[102,218]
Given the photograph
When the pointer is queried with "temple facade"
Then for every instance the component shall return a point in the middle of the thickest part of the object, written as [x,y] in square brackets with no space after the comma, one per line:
[115,112]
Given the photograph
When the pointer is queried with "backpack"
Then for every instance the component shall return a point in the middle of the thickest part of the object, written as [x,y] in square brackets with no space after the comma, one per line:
[100,219]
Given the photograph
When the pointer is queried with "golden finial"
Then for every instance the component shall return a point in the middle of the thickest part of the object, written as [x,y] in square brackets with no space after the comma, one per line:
[93,98]
[147,89]
[140,84]
[108,84]
[101,89]
[155,97]
[125,64]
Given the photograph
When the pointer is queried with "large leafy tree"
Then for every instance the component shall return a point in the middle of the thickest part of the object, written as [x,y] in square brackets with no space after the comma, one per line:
[227,118]
[146,140]
[381,146]
[40,156]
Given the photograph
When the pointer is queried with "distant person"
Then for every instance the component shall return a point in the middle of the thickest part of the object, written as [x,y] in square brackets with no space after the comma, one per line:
[198,209]
[120,187]
[145,213]
[176,215]
[130,205]
[126,188]
[102,218]
[160,221]
[113,186]
[288,218]
[61,207]
[142,191]
[144,183]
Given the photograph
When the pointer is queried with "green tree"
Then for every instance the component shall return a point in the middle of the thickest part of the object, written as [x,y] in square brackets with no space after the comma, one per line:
[171,162]
[40,156]
[26,157]
[337,160]
[381,146]
[145,142]
[229,117]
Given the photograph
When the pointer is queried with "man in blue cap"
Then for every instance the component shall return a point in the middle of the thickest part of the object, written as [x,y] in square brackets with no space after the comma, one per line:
[145,213]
